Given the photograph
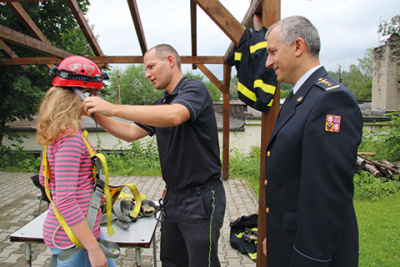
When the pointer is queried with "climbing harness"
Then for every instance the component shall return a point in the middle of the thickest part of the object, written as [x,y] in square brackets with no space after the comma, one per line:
[101,187]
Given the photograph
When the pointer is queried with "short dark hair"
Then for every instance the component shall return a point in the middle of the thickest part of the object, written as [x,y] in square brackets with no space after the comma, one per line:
[163,50]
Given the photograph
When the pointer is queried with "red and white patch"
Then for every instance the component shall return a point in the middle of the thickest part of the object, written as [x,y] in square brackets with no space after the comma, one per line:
[332,123]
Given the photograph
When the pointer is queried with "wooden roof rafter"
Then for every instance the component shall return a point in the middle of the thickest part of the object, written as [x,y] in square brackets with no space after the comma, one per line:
[138,25]
[23,40]
[193,28]
[87,31]
[26,20]
[7,50]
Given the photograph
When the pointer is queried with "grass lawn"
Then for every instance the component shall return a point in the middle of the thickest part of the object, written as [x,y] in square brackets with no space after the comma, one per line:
[379,228]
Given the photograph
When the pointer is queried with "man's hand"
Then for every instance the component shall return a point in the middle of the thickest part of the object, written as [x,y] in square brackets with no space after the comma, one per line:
[95,104]
[264,244]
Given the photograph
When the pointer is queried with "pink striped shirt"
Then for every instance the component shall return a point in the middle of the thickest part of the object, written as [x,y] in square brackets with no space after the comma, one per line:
[71,186]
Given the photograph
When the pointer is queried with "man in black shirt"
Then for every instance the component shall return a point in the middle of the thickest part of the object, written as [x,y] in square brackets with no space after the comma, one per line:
[187,137]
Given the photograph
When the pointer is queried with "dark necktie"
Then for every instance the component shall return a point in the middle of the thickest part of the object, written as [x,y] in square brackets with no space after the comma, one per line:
[285,103]
[289,96]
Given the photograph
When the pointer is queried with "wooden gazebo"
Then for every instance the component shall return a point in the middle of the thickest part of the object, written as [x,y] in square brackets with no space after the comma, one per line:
[260,12]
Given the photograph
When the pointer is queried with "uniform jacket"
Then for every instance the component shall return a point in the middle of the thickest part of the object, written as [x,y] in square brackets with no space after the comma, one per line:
[310,163]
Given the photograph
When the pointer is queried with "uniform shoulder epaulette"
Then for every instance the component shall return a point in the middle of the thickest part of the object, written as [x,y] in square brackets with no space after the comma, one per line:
[328,83]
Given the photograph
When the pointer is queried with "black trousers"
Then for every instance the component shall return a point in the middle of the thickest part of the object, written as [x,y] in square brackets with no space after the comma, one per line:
[190,232]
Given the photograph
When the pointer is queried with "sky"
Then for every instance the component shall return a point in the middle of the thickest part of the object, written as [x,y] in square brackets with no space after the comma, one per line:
[347,27]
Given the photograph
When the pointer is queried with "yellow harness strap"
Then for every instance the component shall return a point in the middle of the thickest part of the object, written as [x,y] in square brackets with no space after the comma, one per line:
[106,188]
[46,174]
[137,197]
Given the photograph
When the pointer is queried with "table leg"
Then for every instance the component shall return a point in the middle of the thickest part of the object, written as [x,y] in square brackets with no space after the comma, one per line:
[28,254]
[154,251]
[138,259]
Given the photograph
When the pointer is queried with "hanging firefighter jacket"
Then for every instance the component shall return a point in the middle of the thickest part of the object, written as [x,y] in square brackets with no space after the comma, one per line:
[256,83]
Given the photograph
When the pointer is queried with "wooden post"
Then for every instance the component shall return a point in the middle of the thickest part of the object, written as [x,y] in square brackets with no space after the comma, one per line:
[226,115]
[271,10]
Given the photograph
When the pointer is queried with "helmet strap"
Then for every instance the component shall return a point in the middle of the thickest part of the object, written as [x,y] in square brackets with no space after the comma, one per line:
[82,95]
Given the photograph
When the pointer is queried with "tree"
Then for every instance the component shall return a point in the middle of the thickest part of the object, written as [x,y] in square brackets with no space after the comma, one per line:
[22,88]
[390,26]
[212,88]
[354,79]
[366,63]
[135,89]
[360,84]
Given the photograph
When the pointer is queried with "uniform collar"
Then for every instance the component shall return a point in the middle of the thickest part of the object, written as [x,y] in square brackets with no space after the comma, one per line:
[304,78]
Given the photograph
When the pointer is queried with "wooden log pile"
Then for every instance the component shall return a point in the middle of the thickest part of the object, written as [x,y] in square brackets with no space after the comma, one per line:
[381,168]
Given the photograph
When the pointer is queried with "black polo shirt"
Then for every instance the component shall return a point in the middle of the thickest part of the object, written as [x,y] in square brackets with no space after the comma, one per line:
[189,153]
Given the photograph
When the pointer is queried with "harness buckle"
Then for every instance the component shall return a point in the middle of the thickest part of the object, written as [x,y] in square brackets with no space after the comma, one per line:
[100,182]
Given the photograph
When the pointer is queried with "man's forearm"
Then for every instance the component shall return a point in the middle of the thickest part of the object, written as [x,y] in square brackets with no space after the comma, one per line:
[157,115]
[120,129]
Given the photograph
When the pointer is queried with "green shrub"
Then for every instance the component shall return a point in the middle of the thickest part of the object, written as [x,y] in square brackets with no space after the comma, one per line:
[367,187]
[141,160]
[246,166]
[385,144]
[17,160]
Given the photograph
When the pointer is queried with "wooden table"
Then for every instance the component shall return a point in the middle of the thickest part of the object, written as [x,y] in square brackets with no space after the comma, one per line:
[139,235]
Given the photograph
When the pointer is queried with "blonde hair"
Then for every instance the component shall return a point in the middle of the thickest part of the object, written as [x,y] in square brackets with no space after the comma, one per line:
[60,113]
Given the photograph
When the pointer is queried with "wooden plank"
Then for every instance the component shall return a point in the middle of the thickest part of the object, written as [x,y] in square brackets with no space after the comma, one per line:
[193,28]
[211,76]
[225,124]
[10,35]
[80,18]
[224,20]
[247,20]
[31,61]
[7,50]
[138,25]
[107,60]
[29,24]
[10,1]
[270,15]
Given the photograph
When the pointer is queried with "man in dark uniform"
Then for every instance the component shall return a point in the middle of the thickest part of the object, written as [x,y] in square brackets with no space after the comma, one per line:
[311,157]
[185,126]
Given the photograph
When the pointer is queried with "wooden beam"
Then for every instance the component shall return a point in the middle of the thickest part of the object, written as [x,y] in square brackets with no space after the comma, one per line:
[7,50]
[211,76]
[271,13]
[193,23]
[80,18]
[31,61]
[108,60]
[10,1]
[29,24]
[10,35]
[138,25]
[226,121]
[247,20]
[224,20]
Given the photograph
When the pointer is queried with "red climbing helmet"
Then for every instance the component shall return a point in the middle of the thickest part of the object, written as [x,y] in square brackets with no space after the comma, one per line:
[78,71]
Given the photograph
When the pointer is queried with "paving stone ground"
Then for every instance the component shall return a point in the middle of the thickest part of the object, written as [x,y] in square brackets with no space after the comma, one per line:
[19,205]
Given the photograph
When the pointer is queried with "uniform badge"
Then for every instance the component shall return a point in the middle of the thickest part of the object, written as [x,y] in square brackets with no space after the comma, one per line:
[332,123]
